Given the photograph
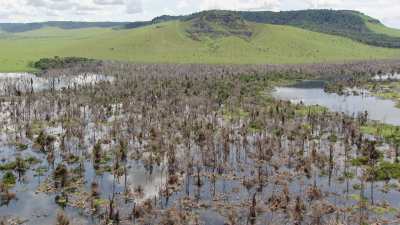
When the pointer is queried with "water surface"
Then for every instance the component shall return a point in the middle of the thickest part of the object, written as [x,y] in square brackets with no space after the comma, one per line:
[312,93]
[27,82]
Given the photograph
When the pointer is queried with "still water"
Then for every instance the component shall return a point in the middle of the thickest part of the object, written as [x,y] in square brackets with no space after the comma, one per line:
[312,93]
[28,82]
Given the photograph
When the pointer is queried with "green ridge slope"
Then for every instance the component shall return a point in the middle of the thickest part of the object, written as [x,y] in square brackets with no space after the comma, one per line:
[379,28]
[170,43]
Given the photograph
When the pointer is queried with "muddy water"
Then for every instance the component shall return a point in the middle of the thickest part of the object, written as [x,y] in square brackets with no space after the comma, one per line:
[312,93]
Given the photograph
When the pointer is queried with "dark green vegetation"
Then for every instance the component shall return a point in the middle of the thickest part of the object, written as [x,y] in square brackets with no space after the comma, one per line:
[159,19]
[59,63]
[217,24]
[189,144]
[387,171]
[9,179]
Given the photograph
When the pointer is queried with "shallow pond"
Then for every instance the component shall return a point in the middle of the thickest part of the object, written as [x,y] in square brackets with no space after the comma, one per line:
[312,93]
[26,82]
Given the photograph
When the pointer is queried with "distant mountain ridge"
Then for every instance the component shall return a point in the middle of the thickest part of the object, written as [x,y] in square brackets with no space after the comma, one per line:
[23,27]
[345,23]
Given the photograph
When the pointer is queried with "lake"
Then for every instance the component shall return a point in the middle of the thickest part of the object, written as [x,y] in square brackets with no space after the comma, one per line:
[312,93]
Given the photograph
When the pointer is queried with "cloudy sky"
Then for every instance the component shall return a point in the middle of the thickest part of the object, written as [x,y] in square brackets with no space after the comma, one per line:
[133,10]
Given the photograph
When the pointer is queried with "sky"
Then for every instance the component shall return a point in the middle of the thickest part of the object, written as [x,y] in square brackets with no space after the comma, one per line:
[138,10]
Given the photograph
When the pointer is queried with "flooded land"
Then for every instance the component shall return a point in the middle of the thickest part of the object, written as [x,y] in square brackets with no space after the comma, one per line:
[356,102]
[195,144]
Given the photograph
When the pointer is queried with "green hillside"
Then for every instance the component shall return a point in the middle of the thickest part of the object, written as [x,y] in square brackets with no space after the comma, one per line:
[346,23]
[379,28]
[170,42]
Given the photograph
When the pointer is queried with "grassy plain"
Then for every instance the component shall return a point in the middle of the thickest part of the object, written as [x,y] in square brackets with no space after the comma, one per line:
[169,43]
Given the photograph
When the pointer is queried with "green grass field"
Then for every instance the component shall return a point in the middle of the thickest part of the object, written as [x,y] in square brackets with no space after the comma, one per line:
[169,43]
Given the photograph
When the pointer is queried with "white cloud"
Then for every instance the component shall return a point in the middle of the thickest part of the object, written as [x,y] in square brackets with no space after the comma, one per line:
[182,4]
[324,3]
[134,6]
[239,4]
[109,2]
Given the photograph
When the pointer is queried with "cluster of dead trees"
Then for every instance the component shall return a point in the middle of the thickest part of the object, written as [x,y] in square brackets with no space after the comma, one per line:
[212,132]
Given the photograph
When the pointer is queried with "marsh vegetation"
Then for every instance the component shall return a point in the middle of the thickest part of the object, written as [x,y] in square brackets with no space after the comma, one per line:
[192,144]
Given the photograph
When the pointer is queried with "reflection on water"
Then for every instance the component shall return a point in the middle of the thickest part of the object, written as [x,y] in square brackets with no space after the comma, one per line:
[384,77]
[40,208]
[312,93]
[218,192]
[26,82]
